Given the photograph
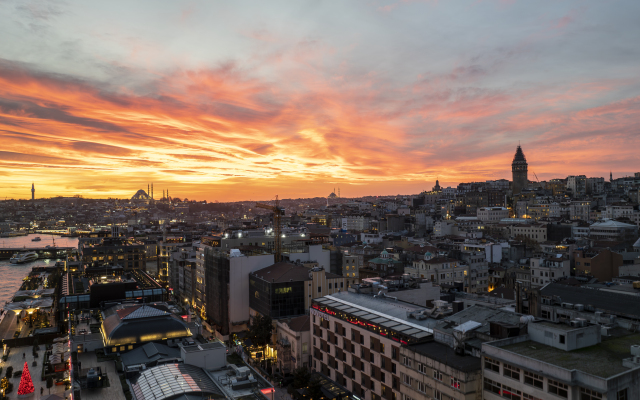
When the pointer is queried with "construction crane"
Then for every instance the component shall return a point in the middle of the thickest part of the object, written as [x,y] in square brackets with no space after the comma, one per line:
[278,212]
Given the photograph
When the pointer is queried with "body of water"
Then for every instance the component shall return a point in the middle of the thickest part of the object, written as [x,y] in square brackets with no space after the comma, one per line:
[11,275]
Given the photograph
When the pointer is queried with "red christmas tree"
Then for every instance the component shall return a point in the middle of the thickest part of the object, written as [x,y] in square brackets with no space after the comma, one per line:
[26,384]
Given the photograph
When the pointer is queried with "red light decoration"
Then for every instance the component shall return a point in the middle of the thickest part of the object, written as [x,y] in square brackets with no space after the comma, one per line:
[403,342]
[383,334]
[396,339]
[26,384]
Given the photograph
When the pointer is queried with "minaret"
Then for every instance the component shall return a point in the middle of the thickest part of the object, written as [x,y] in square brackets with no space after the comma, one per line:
[152,191]
[610,176]
[33,191]
[148,190]
[519,169]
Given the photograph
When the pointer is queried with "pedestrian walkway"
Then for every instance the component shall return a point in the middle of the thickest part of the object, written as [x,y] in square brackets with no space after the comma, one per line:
[16,361]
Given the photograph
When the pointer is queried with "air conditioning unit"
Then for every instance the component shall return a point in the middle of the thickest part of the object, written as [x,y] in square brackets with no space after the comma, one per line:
[579,307]
[581,321]
[567,305]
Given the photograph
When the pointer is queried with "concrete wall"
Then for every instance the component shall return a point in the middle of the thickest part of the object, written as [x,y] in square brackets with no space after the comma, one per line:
[316,253]
[239,270]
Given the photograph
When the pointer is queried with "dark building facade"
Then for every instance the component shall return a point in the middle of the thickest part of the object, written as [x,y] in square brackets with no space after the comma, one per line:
[216,277]
[127,253]
[278,291]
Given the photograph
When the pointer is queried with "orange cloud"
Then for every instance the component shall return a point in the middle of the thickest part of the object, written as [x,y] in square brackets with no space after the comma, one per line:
[224,134]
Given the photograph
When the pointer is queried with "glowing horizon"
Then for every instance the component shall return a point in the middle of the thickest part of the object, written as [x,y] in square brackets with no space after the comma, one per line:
[243,101]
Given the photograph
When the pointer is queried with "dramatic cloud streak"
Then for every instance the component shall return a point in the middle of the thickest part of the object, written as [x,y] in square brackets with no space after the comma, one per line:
[298,117]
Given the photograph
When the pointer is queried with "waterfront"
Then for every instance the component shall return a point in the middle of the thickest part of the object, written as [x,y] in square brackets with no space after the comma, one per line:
[12,274]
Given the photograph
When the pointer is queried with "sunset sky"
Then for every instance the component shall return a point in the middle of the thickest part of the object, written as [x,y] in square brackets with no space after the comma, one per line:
[241,100]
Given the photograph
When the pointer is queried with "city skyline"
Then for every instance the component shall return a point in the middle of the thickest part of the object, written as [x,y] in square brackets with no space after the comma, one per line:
[244,101]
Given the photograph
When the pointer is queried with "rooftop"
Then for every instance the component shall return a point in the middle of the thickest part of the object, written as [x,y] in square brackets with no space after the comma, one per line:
[446,355]
[601,300]
[603,360]
[203,346]
[300,324]
[283,272]
[170,381]
[384,312]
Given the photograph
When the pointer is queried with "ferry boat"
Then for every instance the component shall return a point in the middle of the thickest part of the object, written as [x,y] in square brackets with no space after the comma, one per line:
[36,239]
[20,258]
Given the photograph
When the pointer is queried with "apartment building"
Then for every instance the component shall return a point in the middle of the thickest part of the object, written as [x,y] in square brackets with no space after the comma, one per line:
[492,214]
[356,223]
[435,371]
[577,184]
[537,232]
[351,267]
[478,270]
[545,270]
[580,210]
[440,270]
[293,343]
[599,263]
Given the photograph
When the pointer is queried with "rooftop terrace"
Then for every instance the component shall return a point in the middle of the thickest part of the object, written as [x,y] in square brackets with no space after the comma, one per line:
[603,360]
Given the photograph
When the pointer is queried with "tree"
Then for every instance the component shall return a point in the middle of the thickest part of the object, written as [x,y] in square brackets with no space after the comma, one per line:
[26,384]
[314,389]
[301,377]
[260,331]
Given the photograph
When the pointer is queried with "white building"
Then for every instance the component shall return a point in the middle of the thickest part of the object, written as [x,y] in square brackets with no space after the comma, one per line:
[492,214]
[610,229]
[618,211]
[545,270]
[371,238]
[293,343]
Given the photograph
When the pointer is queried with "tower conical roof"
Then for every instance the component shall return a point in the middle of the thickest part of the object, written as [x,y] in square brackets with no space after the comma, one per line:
[519,155]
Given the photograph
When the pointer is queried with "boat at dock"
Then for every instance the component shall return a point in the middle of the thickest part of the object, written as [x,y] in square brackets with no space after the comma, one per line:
[21,258]
[36,239]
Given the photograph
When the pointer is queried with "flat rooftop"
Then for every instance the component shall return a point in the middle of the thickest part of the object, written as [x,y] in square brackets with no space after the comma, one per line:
[446,355]
[203,346]
[603,360]
[383,311]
